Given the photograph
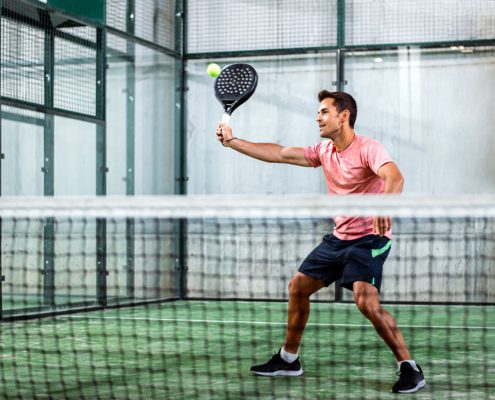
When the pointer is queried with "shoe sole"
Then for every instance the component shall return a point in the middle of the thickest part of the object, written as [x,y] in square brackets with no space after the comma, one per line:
[420,385]
[279,373]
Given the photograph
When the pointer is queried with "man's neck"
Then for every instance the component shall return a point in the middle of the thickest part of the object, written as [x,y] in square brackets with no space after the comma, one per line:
[344,140]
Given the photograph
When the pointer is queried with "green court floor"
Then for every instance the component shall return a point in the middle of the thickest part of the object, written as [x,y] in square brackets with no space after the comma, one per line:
[200,349]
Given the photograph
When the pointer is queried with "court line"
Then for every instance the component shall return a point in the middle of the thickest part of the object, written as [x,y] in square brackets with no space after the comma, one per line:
[213,321]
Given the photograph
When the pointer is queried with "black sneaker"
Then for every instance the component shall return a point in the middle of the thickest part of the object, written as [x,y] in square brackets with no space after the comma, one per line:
[410,380]
[278,367]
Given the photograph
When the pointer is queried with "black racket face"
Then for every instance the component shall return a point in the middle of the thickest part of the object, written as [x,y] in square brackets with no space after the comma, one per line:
[235,85]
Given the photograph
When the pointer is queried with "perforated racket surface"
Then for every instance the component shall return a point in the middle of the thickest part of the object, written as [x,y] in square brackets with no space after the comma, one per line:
[234,86]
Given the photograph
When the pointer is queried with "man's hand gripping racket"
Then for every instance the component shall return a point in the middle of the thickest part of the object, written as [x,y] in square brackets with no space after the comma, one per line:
[233,87]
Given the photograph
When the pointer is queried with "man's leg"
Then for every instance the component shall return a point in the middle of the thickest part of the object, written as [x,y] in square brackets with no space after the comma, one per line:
[367,300]
[301,287]
[286,361]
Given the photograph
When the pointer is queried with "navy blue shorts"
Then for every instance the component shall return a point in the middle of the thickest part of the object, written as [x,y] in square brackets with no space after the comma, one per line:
[348,260]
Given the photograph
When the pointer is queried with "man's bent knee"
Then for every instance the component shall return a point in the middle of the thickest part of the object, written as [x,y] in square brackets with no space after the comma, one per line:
[304,286]
[369,310]
[367,299]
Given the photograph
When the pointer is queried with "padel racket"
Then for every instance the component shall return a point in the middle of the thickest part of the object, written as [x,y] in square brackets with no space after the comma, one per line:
[234,86]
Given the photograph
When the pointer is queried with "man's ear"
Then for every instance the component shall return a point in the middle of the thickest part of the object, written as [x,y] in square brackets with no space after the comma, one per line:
[345,115]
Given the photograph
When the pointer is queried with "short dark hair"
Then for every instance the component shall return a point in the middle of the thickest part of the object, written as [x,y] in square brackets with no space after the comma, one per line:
[342,101]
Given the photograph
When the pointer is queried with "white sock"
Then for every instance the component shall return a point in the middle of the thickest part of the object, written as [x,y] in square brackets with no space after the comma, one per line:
[288,357]
[411,362]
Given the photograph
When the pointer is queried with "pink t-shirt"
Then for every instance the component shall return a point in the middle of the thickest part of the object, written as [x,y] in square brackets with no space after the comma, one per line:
[352,171]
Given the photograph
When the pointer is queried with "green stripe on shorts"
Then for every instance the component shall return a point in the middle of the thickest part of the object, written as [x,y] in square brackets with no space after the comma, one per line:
[377,252]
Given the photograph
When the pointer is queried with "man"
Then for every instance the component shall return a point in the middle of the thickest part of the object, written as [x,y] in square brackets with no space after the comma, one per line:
[357,249]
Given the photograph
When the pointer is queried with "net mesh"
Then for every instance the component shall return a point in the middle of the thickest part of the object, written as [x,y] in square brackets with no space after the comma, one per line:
[177,297]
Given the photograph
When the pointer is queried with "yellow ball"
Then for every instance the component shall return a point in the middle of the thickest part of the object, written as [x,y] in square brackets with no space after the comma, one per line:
[213,70]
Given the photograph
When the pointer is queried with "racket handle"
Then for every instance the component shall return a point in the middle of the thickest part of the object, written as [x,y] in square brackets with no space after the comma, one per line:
[226,119]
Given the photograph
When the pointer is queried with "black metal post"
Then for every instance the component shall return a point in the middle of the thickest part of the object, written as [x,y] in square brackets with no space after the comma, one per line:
[48,168]
[101,167]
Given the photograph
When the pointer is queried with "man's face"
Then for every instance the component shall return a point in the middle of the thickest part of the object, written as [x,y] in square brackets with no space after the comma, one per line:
[329,120]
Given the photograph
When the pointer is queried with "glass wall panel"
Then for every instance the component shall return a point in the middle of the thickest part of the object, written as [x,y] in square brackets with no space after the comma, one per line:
[140,154]
[22,146]
[154,166]
[282,110]
[119,98]
[22,252]
[155,124]
[75,241]
[140,119]
[120,160]
[75,157]
[433,110]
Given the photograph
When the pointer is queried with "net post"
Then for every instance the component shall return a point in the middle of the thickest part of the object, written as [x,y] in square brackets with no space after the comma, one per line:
[180,266]
[180,150]
[48,169]
[130,272]
[101,168]
[49,262]
[130,223]
[180,155]
[339,292]
[101,262]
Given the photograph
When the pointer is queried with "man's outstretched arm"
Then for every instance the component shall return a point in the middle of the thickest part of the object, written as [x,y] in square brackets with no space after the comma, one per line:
[269,152]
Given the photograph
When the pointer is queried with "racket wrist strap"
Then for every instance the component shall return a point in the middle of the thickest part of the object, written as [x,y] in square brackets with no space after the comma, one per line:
[228,141]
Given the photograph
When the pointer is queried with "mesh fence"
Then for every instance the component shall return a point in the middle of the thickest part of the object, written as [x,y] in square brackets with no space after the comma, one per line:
[108,319]
[394,21]
[42,50]
[217,26]
[75,74]
[152,20]
[22,57]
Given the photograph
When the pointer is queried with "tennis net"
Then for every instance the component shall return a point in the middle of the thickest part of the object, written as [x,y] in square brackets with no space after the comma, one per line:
[177,297]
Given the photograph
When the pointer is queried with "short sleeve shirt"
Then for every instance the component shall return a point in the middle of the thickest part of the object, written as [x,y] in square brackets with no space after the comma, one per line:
[352,171]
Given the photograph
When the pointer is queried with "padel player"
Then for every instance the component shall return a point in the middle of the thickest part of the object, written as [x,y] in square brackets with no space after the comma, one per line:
[358,247]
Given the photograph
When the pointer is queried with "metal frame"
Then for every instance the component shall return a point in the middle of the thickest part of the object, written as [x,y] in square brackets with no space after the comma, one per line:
[49,168]
[180,146]
[130,148]
[101,167]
